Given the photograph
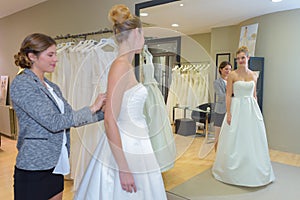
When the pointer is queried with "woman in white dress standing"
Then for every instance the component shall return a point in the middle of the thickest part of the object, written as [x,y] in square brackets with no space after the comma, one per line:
[124,165]
[243,155]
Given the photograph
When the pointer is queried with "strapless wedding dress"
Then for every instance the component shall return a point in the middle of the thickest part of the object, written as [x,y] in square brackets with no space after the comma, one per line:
[243,155]
[101,180]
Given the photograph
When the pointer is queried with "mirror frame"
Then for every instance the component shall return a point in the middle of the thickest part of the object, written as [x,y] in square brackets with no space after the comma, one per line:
[221,57]
[138,7]
[148,4]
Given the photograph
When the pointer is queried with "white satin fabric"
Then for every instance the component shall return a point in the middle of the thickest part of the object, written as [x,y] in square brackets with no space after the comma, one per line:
[243,155]
[101,180]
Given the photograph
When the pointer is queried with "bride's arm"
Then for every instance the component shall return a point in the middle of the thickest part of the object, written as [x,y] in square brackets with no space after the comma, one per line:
[117,82]
[229,90]
[255,77]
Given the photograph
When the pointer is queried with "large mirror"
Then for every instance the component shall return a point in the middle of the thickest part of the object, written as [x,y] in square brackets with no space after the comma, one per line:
[194,20]
[176,51]
[214,36]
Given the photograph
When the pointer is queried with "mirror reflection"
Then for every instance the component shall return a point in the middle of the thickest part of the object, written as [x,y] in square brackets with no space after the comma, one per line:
[204,41]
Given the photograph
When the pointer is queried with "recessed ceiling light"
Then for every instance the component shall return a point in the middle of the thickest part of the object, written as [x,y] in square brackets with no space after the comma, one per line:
[276,1]
[143,14]
[181,4]
[174,25]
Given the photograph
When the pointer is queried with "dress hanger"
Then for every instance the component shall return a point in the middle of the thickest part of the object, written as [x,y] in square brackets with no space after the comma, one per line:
[64,46]
[79,44]
[107,44]
[147,55]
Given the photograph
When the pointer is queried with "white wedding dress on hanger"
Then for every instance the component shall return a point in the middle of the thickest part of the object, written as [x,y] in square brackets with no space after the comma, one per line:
[155,110]
[92,78]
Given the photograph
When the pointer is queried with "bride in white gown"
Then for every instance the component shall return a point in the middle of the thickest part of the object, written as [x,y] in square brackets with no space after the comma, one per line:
[243,155]
[124,165]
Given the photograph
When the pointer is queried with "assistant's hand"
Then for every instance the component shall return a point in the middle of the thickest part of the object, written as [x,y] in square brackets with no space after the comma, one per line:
[127,181]
[99,102]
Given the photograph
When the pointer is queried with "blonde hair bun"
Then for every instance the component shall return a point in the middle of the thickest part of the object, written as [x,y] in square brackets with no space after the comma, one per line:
[119,13]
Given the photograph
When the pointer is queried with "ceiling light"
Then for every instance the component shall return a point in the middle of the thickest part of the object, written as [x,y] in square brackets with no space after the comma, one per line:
[181,4]
[276,1]
[143,14]
[174,25]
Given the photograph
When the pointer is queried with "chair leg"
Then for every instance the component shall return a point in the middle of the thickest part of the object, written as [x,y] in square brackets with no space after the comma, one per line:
[206,127]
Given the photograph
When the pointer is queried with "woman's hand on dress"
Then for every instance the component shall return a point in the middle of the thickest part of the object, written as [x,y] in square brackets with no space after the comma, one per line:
[127,181]
[99,102]
[228,118]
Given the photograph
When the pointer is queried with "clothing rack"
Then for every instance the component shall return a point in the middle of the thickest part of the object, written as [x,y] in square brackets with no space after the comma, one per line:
[199,62]
[180,64]
[186,66]
[82,35]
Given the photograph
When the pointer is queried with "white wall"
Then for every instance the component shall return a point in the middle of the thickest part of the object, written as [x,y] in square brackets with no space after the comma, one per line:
[278,41]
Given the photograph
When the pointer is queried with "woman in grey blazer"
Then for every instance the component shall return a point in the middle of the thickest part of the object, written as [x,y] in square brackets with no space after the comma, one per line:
[44,119]
[220,105]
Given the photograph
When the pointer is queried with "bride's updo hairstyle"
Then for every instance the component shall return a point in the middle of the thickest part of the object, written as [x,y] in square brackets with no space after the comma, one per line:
[123,21]
[243,49]
[34,43]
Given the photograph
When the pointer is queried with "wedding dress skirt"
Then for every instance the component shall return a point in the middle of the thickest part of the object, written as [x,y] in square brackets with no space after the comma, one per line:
[243,155]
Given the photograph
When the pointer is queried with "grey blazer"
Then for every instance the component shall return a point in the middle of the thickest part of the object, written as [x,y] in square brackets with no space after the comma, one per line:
[41,125]
[220,89]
